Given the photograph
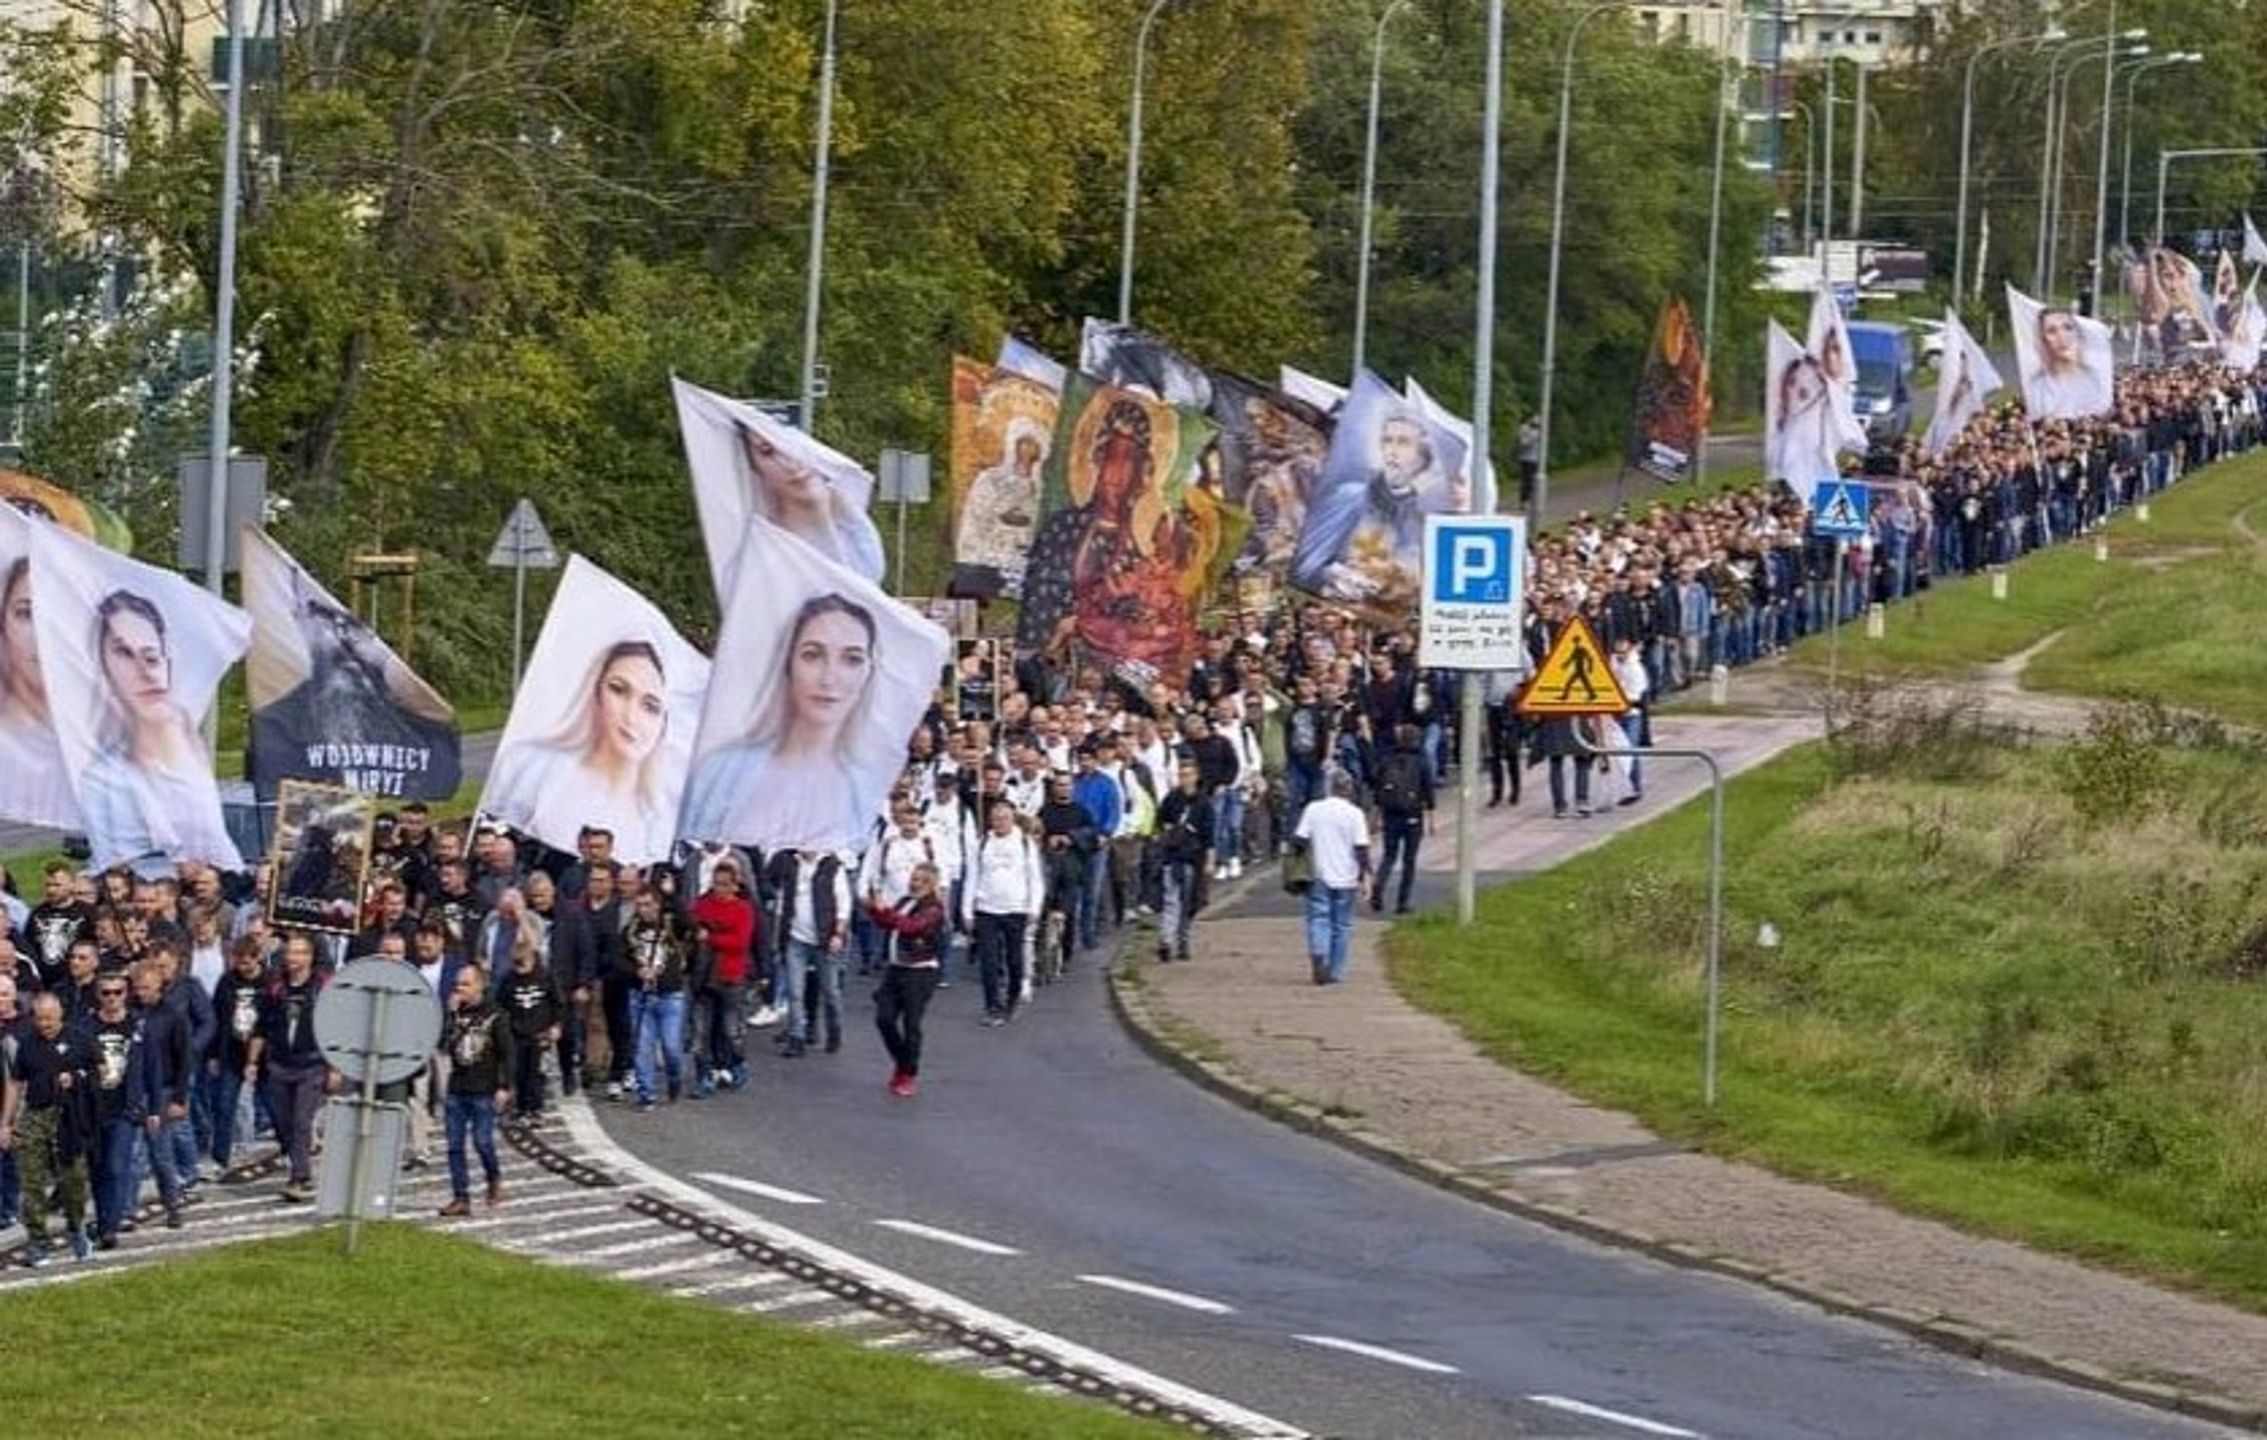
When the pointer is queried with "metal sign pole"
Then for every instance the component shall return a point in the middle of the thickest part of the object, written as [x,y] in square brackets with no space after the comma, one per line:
[1483,405]
[1834,631]
[901,541]
[519,605]
[358,1166]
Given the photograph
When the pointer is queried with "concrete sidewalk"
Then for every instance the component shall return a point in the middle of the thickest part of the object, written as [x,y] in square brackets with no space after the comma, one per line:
[1357,1064]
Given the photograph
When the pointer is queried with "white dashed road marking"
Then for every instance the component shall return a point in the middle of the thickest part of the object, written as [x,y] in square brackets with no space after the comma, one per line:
[1378,1352]
[757,1188]
[1181,1298]
[705,1261]
[1614,1417]
[948,1237]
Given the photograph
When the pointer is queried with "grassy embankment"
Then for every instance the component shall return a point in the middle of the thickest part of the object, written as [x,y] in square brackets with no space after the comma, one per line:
[2022,989]
[427,1335]
[2173,613]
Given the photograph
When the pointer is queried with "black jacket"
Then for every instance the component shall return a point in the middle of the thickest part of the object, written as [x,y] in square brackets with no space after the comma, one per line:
[479,1044]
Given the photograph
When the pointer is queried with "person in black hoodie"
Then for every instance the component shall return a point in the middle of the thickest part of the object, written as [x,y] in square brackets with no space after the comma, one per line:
[533,1003]
[47,1119]
[1405,797]
[186,998]
[297,1077]
[57,923]
[1068,835]
[163,1069]
[112,1032]
[236,1013]
[574,966]
[478,1042]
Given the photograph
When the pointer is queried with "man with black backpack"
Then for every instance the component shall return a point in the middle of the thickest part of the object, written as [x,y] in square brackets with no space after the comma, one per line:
[1404,796]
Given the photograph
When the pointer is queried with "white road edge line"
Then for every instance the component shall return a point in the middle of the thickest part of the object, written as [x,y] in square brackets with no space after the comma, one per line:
[948,1237]
[1379,1352]
[1181,1298]
[583,1127]
[757,1188]
[1614,1417]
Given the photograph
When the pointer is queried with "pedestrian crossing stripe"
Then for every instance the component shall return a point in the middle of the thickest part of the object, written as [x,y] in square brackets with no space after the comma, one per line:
[1574,679]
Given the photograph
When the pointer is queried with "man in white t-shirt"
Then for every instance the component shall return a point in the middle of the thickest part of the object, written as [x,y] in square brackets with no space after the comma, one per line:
[1335,832]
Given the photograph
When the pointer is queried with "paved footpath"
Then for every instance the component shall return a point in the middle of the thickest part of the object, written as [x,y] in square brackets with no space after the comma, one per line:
[1360,1065]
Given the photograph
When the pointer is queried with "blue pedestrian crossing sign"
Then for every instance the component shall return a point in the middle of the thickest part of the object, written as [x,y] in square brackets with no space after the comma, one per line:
[1475,571]
[1839,509]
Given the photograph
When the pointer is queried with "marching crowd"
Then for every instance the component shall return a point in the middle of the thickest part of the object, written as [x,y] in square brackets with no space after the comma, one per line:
[153,1024]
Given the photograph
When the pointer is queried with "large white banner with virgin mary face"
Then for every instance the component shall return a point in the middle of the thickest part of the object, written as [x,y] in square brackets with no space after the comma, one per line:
[34,790]
[820,679]
[2062,359]
[602,734]
[132,656]
[745,463]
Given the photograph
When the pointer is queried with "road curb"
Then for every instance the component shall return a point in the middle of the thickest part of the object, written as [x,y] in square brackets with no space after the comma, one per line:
[1130,1003]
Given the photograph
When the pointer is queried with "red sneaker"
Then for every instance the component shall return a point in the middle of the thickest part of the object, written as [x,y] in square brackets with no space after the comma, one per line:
[903,1086]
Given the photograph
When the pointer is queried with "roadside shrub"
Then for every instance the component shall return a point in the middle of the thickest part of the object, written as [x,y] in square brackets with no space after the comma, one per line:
[1914,732]
[2116,772]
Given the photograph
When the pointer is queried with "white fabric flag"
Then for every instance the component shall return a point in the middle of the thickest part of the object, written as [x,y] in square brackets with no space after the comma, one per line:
[1316,391]
[1965,379]
[1455,436]
[133,655]
[2240,346]
[1019,356]
[745,463]
[2062,358]
[2254,244]
[819,682]
[34,788]
[1801,435]
[1828,342]
[602,733]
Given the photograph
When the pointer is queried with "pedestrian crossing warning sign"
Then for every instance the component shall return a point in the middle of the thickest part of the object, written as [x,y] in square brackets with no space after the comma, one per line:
[1574,679]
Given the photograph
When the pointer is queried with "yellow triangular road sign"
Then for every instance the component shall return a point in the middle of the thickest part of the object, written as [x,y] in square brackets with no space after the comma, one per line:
[1574,679]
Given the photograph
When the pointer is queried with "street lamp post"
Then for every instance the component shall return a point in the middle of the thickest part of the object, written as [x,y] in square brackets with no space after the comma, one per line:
[2125,185]
[1483,400]
[1369,190]
[1810,165]
[1967,125]
[2050,155]
[2063,108]
[2165,159]
[1538,501]
[1826,184]
[815,266]
[224,319]
[1133,162]
[1715,231]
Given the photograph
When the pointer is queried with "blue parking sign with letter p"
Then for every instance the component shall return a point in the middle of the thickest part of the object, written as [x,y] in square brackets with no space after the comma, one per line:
[1471,566]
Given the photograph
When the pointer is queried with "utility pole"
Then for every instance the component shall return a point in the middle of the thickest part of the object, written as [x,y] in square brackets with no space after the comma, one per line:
[815,264]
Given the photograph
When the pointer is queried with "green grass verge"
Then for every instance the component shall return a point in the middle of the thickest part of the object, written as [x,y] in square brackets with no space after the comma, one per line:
[1957,625]
[428,1335]
[1982,1009]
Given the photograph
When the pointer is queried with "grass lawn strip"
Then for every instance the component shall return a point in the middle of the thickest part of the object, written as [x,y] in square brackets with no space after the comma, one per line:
[1984,1006]
[428,1335]
[1956,625]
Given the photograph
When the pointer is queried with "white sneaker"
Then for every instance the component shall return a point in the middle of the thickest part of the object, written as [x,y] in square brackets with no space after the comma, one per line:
[1236,869]
[1219,872]
[765,1017]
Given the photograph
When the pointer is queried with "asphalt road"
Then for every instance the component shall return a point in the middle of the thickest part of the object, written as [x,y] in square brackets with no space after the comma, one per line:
[479,750]
[1060,1163]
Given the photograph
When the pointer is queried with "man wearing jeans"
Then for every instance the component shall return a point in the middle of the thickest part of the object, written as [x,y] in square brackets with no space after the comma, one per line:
[1005,892]
[1337,835]
[657,952]
[479,1045]
[812,914]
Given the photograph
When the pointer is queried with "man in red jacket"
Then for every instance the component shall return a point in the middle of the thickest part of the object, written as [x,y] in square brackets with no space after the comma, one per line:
[727,922]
